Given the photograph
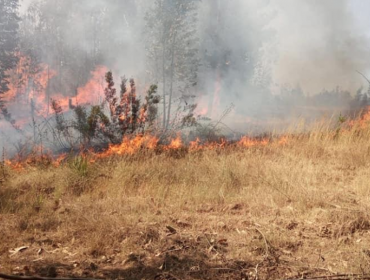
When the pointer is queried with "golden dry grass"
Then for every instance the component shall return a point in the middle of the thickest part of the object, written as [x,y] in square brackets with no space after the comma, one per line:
[277,211]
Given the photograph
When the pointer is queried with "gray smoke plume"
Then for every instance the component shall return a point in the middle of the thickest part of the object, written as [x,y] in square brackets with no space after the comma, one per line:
[319,45]
[289,49]
[259,57]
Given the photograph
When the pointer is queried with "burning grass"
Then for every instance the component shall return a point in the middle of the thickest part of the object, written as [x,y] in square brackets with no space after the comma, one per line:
[277,208]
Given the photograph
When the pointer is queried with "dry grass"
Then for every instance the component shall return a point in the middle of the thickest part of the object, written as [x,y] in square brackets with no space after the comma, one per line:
[277,211]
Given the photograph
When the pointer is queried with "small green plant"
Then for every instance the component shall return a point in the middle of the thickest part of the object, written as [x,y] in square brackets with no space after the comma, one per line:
[80,164]
[341,119]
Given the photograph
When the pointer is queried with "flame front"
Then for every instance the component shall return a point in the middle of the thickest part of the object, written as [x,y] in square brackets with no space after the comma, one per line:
[30,93]
[249,142]
[33,92]
[131,146]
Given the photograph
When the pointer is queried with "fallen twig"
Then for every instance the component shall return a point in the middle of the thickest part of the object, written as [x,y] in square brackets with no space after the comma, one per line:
[212,247]
[223,269]
[269,249]
[256,271]
[267,246]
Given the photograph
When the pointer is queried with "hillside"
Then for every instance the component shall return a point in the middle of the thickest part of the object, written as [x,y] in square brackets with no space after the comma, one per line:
[276,210]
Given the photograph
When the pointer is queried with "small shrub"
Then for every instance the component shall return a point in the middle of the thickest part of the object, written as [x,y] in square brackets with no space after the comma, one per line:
[80,165]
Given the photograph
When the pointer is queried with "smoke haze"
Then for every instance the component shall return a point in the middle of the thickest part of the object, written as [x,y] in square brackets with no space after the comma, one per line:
[261,56]
[319,45]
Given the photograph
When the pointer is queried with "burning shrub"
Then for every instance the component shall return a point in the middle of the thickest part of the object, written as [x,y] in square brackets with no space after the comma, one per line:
[111,121]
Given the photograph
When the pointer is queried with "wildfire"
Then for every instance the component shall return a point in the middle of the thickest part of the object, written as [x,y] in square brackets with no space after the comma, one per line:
[363,121]
[175,143]
[58,161]
[15,165]
[195,145]
[134,145]
[28,88]
[30,93]
[202,107]
[249,142]
[131,146]
[283,140]
[92,92]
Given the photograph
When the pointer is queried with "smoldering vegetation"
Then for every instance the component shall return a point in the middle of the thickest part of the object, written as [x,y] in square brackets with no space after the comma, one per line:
[238,67]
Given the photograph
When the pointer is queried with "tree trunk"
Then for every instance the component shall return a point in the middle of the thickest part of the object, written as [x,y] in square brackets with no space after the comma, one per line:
[48,91]
[164,83]
[171,81]
[164,69]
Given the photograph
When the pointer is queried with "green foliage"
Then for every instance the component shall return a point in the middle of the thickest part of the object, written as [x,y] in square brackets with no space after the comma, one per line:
[189,120]
[9,25]
[113,119]
[91,124]
[127,114]
[97,122]
[81,123]
[341,119]
[110,95]
[80,165]
[172,49]
[150,107]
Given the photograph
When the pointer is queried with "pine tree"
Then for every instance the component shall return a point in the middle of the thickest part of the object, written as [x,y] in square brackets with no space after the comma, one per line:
[172,50]
[150,110]
[127,114]
[9,24]
[110,96]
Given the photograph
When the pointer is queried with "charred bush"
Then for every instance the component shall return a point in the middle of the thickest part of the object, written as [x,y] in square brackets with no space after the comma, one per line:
[118,116]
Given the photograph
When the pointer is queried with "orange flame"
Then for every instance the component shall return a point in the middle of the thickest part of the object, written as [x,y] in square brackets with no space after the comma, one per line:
[30,93]
[175,143]
[131,146]
[283,140]
[195,145]
[363,121]
[57,162]
[92,92]
[249,142]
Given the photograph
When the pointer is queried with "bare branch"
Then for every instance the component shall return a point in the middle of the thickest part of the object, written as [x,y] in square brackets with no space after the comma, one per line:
[364,76]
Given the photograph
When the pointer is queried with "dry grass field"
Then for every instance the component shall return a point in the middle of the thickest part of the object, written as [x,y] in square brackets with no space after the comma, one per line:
[296,207]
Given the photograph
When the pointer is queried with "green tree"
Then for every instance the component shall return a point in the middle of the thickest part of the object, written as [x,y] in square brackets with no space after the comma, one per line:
[9,25]
[172,50]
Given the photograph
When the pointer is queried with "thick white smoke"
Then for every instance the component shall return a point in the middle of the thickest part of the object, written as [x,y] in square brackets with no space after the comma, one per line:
[320,46]
[310,45]
[249,51]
